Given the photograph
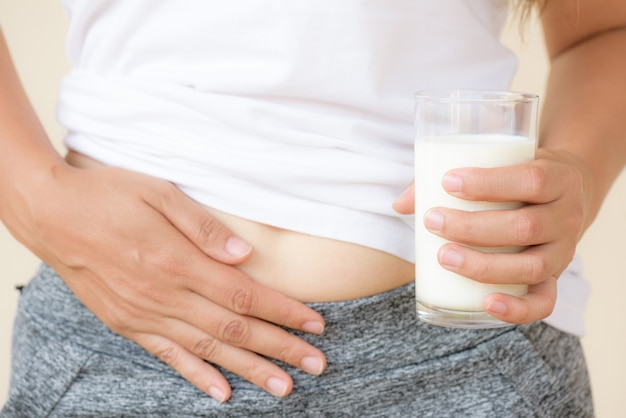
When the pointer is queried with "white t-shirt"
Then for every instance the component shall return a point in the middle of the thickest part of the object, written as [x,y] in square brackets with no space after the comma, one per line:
[292,113]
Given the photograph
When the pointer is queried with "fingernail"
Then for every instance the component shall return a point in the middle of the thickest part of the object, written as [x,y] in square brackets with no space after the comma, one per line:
[237,247]
[450,257]
[496,308]
[312,365]
[452,182]
[277,386]
[313,327]
[433,219]
[217,394]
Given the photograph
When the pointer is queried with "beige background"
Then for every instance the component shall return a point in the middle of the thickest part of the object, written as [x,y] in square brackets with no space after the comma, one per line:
[35,31]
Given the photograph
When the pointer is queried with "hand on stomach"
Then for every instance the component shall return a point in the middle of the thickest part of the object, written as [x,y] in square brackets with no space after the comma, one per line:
[133,257]
[302,266]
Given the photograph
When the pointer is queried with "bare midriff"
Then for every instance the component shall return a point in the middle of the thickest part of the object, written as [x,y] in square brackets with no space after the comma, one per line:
[302,266]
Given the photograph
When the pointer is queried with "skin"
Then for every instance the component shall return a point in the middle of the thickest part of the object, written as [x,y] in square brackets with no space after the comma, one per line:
[106,230]
[582,149]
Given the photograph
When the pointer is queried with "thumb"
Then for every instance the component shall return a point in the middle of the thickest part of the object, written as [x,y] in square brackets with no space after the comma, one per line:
[201,228]
[405,204]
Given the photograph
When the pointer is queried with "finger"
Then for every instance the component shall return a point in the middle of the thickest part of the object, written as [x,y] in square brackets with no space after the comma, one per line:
[534,182]
[249,365]
[536,305]
[235,291]
[405,203]
[205,231]
[529,225]
[191,367]
[227,327]
[531,266]
[254,335]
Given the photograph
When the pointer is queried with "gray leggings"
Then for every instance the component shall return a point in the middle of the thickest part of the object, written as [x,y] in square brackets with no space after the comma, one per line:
[382,362]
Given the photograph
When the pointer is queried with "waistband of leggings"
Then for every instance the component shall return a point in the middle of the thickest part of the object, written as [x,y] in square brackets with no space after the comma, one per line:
[362,335]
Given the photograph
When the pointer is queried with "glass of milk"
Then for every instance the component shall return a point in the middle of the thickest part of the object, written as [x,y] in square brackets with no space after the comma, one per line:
[463,128]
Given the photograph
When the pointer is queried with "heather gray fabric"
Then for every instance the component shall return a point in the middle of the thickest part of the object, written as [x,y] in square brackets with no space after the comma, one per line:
[382,362]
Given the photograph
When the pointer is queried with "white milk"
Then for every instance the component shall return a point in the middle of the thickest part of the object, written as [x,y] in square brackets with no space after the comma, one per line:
[436,286]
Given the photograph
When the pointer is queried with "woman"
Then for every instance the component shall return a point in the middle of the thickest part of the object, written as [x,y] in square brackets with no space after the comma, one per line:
[289,126]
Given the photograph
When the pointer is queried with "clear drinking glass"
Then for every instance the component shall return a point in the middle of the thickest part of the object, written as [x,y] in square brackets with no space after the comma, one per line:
[463,128]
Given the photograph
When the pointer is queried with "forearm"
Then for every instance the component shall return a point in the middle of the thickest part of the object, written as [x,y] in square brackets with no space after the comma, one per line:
[584,114]
[26,149]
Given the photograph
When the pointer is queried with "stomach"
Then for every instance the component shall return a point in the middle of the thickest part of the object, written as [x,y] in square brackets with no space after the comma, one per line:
[305,267]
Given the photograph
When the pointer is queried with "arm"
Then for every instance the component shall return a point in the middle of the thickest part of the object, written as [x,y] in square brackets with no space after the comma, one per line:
[585,104]
[582,149]
[147,260]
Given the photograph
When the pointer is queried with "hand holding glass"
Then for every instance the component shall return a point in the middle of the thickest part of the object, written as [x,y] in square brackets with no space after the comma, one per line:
[457,128]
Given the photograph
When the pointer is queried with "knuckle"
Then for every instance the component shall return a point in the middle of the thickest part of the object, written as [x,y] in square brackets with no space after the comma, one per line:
[234,332]
[570,254]
[536,268]
[168,353]
[120,320]
[525,229]
[286,353]
[481,270]
[167,192]
[251,371]
[577,179]
[538,177]
[148,296]
[206,348]
[209,231]
[577,219]
[162,259]
[116,322]
[242,300]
